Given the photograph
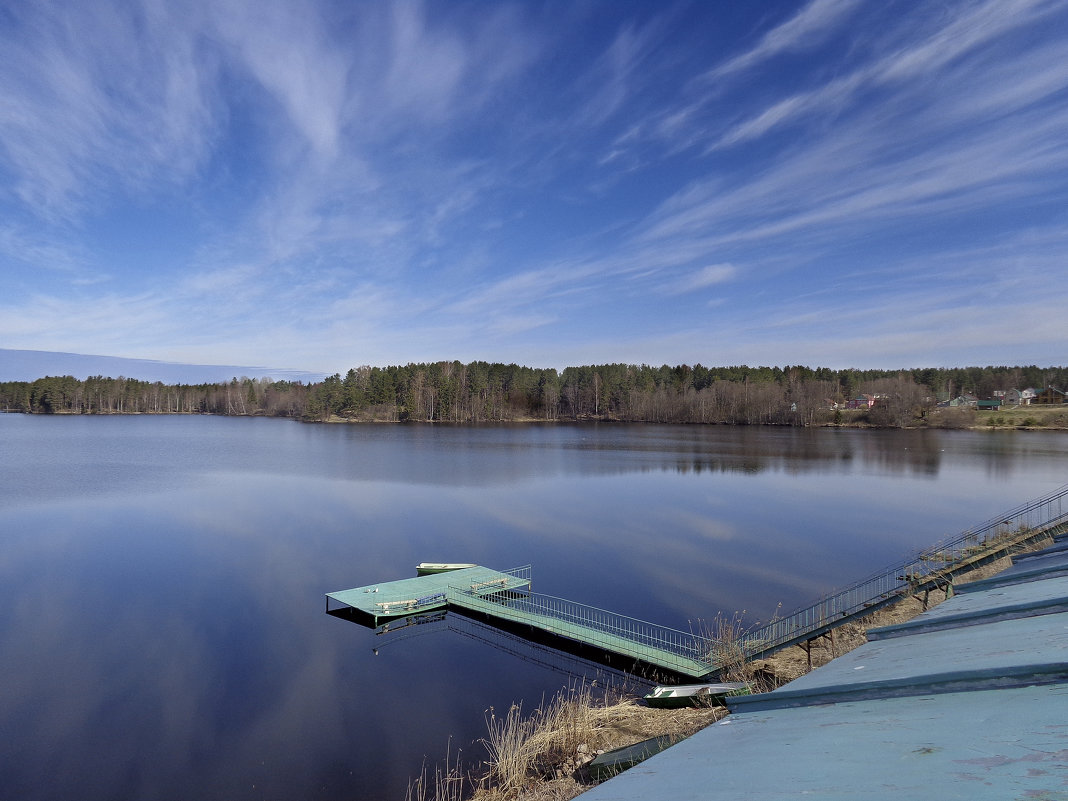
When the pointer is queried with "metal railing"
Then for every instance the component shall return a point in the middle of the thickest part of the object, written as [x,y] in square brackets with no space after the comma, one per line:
[398,603]
[639,639]
[694,654]
[522,574]
[1029,519]
[390,603]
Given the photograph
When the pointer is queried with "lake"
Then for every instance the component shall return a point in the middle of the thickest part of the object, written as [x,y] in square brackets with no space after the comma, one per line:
[163,632]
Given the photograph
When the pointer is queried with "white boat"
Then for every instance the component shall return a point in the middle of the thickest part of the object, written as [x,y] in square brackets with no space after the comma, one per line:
[667,697]
[429,568]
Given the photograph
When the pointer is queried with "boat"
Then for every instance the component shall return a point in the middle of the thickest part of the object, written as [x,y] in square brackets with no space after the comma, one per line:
[606,765]
[430,568]
[667,697]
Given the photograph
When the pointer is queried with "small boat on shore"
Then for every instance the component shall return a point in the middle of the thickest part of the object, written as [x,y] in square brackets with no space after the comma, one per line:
[666,697]
[606,765]
[430,568]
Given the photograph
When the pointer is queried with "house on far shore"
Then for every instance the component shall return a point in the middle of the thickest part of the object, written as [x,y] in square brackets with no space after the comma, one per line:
[866,401]
[991,405]
[1015,397]
[1049,396]
[964,400]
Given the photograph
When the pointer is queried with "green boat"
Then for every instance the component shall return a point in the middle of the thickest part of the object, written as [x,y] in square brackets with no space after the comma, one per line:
[608,764]
[666,697]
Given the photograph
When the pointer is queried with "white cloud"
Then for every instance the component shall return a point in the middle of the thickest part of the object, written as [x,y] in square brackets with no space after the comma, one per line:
[970,29]
[94,95]
[39,252]
[803,31]
[406,179]
[703,278]
[286,49]
[920,152]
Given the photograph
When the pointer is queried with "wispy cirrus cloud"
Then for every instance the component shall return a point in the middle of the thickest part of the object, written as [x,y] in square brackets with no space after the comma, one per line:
[968,30]
[685,116]
[707,276]
[805,30]
[289,53]
[93,96]
[389,180]
[919,151]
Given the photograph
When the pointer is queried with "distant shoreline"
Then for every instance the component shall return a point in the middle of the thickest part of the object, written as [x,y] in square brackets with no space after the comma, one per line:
[1025,418]
[480,392]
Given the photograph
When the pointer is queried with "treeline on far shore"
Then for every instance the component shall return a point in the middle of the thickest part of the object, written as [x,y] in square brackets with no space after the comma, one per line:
[482,392]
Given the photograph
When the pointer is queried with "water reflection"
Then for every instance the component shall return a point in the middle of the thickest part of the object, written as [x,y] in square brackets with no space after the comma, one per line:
[571,660]
[111,454]
[163,633]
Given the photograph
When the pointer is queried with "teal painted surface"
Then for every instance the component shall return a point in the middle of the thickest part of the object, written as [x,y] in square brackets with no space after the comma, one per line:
[1003,602]
[994,745]
[506,596]
[969,741]
[422,593]
[661,646]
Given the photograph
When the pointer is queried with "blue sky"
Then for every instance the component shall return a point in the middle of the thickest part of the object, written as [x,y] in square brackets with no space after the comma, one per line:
[321,185]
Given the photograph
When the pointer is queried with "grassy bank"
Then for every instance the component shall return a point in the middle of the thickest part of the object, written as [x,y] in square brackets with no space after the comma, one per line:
[1024,418]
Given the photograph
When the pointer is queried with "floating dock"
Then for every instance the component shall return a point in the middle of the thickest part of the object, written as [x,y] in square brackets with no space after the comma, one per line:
[504,599]
[393,599]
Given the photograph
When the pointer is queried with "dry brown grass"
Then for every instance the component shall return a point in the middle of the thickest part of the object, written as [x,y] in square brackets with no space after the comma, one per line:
[727,636]
[542,755]
[440,783]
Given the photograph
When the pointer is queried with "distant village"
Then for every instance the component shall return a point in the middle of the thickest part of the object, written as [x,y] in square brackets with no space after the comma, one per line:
[1050,396]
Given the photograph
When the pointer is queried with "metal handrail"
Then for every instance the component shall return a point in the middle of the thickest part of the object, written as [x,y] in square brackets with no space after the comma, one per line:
[592,625]
[404,602]
[643,640]
[397,603]
[1032,517]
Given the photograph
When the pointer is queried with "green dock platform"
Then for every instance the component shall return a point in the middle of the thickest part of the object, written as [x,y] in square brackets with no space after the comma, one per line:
[392,599]
[505,597]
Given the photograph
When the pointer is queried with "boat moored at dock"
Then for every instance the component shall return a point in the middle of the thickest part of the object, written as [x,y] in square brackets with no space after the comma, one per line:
[432,568]
[667,697]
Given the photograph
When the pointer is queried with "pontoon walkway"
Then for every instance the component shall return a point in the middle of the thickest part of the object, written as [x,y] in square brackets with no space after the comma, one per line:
[505,597]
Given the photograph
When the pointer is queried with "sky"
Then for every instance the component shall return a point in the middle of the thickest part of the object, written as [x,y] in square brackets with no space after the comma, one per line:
[321,184]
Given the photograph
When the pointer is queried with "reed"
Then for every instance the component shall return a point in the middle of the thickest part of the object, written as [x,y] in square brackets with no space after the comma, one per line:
[542,754]
[557,734]
[443,783]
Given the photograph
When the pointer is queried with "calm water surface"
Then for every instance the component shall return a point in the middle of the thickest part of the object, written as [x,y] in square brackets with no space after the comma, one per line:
[163,635]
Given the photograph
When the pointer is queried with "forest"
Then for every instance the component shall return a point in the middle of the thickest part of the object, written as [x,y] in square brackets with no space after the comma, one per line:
[481,392]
